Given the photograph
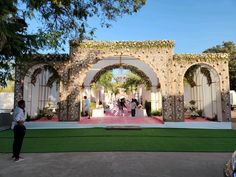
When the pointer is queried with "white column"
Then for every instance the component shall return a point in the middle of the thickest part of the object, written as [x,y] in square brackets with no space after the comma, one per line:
[159,100]
[154,100]
[87,92]
[141,89]
[102,94]
[97,95]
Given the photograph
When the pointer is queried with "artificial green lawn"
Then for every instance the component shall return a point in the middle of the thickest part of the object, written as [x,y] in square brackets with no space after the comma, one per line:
[98,139]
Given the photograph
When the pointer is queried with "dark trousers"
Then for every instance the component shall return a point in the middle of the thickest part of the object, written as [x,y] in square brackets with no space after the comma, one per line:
[133,112]
[19,133]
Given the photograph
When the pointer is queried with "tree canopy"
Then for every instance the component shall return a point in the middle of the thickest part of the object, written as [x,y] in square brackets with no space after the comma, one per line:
[230,48]
[106,80]
[132,82]
[56,21]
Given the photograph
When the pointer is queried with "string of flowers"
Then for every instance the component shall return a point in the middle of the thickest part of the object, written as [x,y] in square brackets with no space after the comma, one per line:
[189,75]
[34,75]
[53,78]
[207,73]
[202,57]
[123,44]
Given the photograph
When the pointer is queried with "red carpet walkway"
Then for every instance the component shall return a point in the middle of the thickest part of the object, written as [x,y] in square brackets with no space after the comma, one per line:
[112,117]
[121,120]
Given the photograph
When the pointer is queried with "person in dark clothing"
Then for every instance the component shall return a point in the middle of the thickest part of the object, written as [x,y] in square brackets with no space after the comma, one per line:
[19,129]
[133,106]
[122,106]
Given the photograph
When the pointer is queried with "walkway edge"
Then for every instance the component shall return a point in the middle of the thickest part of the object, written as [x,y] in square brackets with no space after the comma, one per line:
[71,125]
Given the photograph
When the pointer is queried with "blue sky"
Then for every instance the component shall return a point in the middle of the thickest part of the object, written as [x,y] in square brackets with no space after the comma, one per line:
[194,25]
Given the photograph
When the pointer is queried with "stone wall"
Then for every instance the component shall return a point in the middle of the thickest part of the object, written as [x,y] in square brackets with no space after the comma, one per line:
[157,54]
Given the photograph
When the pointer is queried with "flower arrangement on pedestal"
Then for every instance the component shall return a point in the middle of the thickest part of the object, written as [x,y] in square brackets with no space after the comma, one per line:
[192,110]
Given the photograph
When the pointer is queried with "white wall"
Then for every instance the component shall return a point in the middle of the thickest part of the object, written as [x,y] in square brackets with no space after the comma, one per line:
[37,96]
[6,101]
[206,96]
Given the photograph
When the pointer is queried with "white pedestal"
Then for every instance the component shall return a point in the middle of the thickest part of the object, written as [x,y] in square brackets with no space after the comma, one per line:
[141,113]
[98,112]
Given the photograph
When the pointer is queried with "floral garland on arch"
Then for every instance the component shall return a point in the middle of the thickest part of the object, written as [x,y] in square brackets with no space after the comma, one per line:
[123,44]
[202,57]
[34,75]
[189,75]
[53,78]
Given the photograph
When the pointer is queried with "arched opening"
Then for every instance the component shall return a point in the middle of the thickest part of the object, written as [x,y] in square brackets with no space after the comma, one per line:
[41,92]
[145,89]
[202,96]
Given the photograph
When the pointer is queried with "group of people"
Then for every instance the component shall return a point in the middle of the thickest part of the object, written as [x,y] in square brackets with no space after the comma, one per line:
[121,104]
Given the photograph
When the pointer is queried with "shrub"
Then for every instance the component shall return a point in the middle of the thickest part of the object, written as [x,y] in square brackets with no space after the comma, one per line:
[157,113]
[200,112]
[147,106]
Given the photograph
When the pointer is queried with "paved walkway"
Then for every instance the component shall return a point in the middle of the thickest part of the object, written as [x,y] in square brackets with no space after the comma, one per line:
[115,164]
[59,125]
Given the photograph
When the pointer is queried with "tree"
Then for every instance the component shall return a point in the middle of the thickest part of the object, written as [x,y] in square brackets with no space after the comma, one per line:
[14,40]
[132,82]
[61,20]
[106,80]
[230,48]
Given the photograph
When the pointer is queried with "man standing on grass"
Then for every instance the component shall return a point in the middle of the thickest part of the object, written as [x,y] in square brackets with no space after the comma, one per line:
[19,129]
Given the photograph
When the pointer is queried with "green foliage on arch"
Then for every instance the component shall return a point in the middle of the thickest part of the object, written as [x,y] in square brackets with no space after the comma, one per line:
[190,73]
[53,78]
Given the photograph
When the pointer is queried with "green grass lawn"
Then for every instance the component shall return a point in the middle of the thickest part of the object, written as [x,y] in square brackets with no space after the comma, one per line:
[98,139]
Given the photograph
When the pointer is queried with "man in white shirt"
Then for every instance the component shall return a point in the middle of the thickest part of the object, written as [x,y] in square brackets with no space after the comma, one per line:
[86,108]
[19,129]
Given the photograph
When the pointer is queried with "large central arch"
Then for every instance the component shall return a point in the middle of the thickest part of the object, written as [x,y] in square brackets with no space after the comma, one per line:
[126,61]
[117,60]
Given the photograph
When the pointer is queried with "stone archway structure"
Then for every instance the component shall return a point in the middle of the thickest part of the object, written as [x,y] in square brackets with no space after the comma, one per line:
[157,55]
[219,65]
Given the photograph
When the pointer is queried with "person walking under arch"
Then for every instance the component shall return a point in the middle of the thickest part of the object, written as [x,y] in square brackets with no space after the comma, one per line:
[133,106]
[121,105]
[86,107]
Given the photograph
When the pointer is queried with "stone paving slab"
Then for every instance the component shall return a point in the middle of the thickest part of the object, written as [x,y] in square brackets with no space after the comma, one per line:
[115,164]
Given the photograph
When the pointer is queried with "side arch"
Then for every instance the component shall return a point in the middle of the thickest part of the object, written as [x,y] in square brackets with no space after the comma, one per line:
[207,96]
[36,92]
